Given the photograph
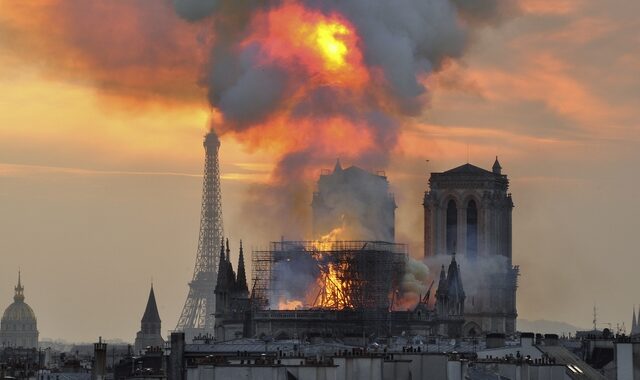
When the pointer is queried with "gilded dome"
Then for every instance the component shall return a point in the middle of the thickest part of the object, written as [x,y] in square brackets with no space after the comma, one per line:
[19,327]
[19,311]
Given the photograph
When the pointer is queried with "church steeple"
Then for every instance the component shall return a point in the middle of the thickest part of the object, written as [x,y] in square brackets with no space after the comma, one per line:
[222,268]
[150,326]
[497,169]
[19,296]
[151,314]
[222,251]
[241,280]
[231,274]
[454,288]
[338,167]
[442,284]
[442,294]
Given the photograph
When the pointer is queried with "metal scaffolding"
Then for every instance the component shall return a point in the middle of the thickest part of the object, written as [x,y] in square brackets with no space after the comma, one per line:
[339,275]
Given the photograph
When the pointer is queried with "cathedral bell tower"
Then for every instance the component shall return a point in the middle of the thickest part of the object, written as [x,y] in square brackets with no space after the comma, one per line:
[467,210]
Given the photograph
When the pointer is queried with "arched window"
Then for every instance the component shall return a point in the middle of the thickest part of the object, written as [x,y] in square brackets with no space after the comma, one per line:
[472,229]
[452,226]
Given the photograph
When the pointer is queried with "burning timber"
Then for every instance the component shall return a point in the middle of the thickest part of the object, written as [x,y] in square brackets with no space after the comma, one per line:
[338,289]
[335,275]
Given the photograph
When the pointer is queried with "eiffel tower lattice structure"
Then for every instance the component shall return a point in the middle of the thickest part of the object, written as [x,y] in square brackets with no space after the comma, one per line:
[197,318]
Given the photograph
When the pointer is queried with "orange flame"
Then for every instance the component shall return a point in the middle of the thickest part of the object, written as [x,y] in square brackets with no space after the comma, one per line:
[334,292]
[324,47]
[285,304]
[321,54]
[325,243]
[330,290]
[332,285]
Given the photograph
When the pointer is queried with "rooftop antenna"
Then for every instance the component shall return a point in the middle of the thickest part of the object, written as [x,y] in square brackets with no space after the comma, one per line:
[595,318]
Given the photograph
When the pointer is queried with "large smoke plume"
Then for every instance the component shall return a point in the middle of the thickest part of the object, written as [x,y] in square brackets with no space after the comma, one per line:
[315,80]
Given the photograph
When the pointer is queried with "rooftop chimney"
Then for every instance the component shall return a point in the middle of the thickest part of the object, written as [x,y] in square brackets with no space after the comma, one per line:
[495,340]
[526,339]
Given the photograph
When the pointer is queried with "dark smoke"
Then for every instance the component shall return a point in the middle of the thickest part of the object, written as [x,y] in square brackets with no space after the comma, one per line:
[293,278]
[194,10]
[402,41]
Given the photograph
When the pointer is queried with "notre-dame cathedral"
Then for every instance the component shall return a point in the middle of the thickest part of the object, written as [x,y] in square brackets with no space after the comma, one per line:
[467,213]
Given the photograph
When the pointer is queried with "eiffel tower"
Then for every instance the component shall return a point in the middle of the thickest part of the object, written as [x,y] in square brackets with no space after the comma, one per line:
[197,314]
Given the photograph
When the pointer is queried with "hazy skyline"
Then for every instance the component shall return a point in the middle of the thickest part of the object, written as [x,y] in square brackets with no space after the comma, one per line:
[101,158]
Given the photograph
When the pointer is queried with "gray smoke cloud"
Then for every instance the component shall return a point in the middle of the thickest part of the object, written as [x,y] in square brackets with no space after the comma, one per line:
[474,271]
[194,10]
[263,89]
[415,281]
[292,279]
[401,42]
[404,38]
[487,12]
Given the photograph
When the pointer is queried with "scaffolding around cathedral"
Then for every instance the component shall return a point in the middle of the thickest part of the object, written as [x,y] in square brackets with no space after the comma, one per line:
[337,275]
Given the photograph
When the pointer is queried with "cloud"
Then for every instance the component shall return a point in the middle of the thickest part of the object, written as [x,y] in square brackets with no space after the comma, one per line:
[136,51]
[194,10]
[559,7]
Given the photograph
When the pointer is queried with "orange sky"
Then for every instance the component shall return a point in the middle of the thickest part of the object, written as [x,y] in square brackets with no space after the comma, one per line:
[100,156]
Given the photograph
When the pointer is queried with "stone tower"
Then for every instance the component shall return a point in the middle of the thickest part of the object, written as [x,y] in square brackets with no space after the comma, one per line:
[150,326]
[356,202]
[467,212]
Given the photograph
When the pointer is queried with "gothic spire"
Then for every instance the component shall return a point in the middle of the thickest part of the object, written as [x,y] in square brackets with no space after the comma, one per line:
[222,252]
[497,169]
[634,321]
[242,276]
[442,284]
[454,281]
[222,268]
[338,167]
[151,314]
[231,275]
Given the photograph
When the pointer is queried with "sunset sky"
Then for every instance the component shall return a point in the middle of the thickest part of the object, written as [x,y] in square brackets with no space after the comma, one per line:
[102,114]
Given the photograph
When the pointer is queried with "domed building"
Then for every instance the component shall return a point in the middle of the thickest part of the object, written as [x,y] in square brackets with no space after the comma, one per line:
[18,327]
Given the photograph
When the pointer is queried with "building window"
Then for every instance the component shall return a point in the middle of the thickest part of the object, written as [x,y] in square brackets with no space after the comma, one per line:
[452,226]
[472,229]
